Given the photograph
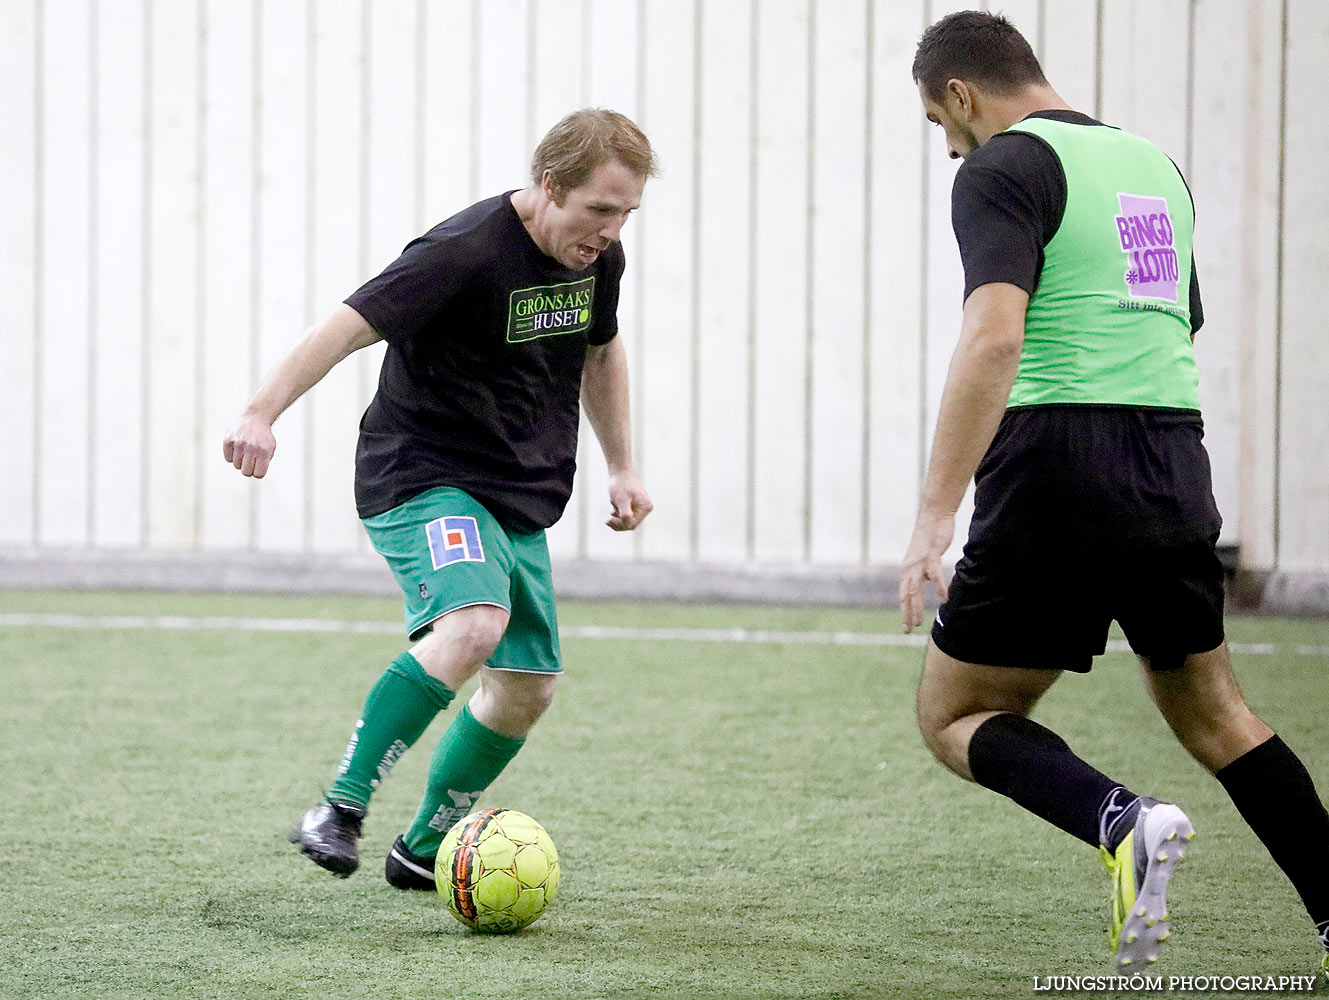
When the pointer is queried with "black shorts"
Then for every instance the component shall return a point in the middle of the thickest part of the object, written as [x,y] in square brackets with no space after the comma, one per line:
[1007,610]
[1084,515]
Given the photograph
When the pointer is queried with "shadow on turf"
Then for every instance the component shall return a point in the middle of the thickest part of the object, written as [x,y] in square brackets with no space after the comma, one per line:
[380,921]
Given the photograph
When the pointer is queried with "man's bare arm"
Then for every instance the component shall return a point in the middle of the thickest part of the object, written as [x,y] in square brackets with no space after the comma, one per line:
[249,444]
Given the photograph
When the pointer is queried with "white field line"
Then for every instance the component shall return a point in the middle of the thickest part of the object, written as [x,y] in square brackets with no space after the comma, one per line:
[180,623]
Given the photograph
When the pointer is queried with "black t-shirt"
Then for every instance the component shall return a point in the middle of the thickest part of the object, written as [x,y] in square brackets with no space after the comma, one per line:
[480,385]
[1105,476]
[1006,205]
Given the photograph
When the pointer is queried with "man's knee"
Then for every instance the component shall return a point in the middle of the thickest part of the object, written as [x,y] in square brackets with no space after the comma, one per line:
[934,713]
[1205,709]
[462,640]
[514,700]
[955,698]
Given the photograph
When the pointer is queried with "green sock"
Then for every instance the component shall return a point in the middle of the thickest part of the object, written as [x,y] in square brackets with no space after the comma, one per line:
[466,761]
[398,708]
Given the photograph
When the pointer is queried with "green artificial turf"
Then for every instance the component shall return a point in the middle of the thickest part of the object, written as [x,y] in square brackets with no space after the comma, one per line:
[734,820]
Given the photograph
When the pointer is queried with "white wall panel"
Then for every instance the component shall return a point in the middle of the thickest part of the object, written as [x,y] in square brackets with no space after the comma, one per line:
[1028,17]
[500,81]
[198,181]
[723,262]
[1303,513]
[780,279]
[1248,264]
[449,63]
[895,277]
[1070,61]
[19,290]
[1145,71]
[1233,177]
[118,278]
[835,532]
[283,244]
[665,389]
[226,242]
[559,58]
[172,269]
[63,461]
[337,265]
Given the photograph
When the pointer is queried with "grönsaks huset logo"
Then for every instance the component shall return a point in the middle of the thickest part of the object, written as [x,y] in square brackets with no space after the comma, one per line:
[548,310]
[1144,232]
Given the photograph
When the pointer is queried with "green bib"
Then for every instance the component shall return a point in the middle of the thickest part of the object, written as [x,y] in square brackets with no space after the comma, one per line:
[1110,319]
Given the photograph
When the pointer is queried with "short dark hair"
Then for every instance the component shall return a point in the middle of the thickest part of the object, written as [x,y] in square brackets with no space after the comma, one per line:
[978,47]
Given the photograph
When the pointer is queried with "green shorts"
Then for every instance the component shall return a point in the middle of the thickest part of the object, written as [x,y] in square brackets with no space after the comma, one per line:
[448,552]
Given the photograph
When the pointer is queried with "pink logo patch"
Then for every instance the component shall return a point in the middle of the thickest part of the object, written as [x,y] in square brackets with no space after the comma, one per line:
[1146,237]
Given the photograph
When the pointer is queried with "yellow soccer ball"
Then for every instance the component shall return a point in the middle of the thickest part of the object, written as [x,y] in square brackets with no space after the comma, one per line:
[498,870]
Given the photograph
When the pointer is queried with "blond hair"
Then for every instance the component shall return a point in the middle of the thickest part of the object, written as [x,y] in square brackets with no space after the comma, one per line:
[583,140]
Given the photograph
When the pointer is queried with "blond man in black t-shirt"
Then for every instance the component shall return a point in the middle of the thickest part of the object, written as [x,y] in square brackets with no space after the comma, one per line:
[499,321]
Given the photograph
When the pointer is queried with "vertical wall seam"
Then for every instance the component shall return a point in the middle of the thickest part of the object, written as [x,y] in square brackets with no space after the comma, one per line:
[363,368]
[366,134]
[694,398]
[585,67]
[754,119]
[1189,150]
[38,262]
[1098,59]
[638,362]
[311,250]
[865,461]
[532,39]
[924,248]
[809,277]
[473,181]
[255,223]
[1279,288]
[200,266]
[421,115]
[93,301]
[1041,29]
[145,291]
[200,261]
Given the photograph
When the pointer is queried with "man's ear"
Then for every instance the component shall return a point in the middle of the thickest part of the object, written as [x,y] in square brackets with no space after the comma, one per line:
[960,93]
[550,190]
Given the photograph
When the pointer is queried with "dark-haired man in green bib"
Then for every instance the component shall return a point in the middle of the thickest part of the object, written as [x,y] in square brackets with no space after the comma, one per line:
[498,322]
[1072,402]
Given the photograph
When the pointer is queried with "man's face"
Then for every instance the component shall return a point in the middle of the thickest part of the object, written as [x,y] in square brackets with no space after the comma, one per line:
[960,138]
[592,214]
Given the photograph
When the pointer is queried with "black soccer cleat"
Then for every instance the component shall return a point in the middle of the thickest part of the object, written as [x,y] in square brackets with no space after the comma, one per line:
[408,871]
[327,835]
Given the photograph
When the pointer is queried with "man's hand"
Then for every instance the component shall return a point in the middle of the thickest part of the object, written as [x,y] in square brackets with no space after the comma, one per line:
[249,445]
[922,562]
[630,501]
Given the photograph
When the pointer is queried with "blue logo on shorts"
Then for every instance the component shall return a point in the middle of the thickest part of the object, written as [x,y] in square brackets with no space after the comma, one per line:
[454,539]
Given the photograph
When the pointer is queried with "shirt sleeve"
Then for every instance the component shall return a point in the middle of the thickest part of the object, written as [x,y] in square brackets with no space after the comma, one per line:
[1197,307]
[1006,204]
[606,319]
[413,290]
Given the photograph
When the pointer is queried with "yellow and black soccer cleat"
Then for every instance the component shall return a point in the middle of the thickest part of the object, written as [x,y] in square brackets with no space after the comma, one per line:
[1141,867]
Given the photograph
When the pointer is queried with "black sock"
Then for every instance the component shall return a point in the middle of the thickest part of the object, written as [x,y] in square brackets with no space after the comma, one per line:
[1276,797]
[1033,766]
